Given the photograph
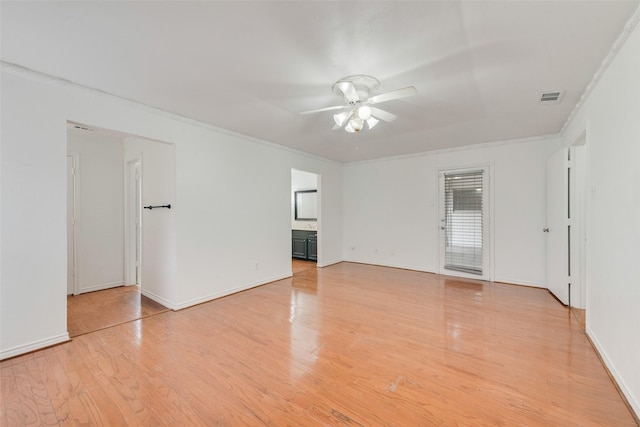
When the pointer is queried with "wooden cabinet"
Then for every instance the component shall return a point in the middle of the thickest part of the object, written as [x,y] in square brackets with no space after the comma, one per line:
[312,247]
[304,244]
[299,247]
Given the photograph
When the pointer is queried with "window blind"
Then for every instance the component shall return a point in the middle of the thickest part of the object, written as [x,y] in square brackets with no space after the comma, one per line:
[463,221]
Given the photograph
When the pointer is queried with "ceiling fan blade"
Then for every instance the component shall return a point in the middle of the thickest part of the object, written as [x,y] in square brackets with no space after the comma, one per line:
[349,91]
[383,115]
[394,94]
[335,107]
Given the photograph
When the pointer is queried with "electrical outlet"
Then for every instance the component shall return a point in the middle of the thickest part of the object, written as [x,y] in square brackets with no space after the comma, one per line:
[257,266]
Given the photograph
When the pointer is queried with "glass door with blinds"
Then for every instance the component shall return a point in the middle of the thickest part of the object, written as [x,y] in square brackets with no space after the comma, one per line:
[464,223]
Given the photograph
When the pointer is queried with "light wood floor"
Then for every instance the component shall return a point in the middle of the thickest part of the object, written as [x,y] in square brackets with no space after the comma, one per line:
[93,311]
[348,344]
[299,265]
[581,317]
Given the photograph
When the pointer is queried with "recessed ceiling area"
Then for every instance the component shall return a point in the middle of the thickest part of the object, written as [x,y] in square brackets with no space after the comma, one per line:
[480,68]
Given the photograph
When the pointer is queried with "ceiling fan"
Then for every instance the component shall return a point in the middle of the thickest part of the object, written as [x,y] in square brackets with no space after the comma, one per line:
[356,91]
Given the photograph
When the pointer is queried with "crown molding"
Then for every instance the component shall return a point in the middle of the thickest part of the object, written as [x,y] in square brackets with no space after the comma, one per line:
[60,82]
[606,62]
[471,147]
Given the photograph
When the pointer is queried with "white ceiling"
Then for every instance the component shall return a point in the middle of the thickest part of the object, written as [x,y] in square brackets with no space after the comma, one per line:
[251,66]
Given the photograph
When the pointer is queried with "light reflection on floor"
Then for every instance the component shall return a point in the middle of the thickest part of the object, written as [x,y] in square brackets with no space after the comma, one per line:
[303,334]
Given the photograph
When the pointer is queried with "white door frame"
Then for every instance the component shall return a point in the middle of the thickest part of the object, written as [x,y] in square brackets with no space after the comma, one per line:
[319,262]
[578,202]
[488,232]
[75,162]
[133,222]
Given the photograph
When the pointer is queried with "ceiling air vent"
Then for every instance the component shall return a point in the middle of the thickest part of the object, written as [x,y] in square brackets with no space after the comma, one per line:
[551,97]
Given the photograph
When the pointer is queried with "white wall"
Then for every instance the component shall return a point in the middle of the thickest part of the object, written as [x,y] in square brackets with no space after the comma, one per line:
[232,203]
[391,217]
[610,117]
[33,225]
[99,209]
[158,160]
[301,180]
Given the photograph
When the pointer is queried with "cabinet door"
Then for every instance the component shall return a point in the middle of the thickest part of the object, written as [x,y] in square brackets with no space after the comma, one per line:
[299,247]
[312,248]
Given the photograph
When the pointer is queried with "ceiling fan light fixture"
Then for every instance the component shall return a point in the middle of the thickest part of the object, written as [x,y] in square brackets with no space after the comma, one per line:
[364,112]
[341,118]
[359,106]
[356,124]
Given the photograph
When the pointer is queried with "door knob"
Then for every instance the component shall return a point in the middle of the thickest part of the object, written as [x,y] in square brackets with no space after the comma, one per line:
[442,227]
[545,230]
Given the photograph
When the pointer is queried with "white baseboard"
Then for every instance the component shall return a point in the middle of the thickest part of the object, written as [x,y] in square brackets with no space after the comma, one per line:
[226,292]
[32,346]
[100,287]
[631,399]
[520,282]
[158,299]
[390,265]
[327,264]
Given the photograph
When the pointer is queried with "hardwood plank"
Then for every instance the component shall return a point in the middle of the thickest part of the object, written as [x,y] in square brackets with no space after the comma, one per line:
[298,265]
[581,317]
[348,344]
[102,309]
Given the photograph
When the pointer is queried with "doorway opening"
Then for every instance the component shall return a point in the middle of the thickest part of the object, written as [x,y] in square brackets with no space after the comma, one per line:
[565,227]
[106,285]
[305,220]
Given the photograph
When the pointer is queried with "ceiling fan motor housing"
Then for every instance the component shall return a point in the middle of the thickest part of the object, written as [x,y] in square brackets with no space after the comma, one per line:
[363,84]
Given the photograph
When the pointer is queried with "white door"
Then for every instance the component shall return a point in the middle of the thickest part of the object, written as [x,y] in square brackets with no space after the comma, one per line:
[557,228]
[133,233]
[71,219]
[464,223]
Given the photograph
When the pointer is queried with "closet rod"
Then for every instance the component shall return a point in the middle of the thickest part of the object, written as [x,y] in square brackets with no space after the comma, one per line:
[160,206]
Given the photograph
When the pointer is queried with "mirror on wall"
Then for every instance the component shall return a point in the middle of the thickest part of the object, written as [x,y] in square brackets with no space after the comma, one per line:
[306,205]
